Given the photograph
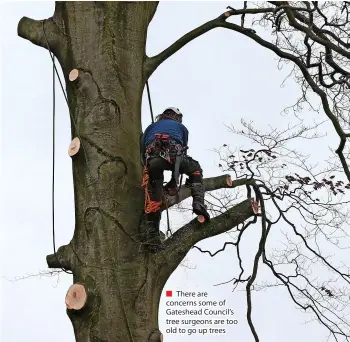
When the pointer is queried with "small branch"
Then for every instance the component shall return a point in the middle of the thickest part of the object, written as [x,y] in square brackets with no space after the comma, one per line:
[210,184]
[62,259]
[177,246]
[44,273]
[218,251]
[243,15]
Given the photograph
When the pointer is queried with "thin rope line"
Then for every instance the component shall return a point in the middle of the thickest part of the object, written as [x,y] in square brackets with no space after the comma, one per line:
[53,168]
[149,101]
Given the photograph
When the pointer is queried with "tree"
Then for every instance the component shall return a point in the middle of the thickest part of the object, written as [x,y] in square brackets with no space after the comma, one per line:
[101,49]
[104,44]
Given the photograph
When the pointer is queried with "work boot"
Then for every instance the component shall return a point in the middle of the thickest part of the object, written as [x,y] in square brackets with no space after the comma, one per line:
[171,188]
[199,208]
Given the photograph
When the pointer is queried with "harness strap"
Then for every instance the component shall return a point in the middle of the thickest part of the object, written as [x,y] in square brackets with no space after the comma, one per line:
[176,173]
[164,146]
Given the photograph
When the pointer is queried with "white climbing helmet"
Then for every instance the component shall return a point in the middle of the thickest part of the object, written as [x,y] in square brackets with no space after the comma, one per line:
[170,113]
[175,110]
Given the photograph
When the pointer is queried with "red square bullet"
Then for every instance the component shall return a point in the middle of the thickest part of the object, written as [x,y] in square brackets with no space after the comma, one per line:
[169,293]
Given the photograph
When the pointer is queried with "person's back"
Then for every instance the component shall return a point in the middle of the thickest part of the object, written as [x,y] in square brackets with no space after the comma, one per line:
[175,129]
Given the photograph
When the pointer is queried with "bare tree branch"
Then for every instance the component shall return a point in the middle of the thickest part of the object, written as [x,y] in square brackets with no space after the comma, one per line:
[62,258]
[35,31]
[152,63]
[292,15]
[178,245]
[291,188]
[210,184]
[326,106]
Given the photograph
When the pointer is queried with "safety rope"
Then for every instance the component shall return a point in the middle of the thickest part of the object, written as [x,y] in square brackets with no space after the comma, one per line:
[87,164]
[149,101]
[150,206]
[53,166]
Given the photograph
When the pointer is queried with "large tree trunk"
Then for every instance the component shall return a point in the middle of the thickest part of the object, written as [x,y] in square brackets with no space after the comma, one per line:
[104,44]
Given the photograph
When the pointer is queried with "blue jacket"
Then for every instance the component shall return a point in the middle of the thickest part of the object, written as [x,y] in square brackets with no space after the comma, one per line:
[173,128]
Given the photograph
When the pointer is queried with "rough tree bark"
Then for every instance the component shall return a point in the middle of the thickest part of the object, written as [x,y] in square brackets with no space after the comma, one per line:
[117,283]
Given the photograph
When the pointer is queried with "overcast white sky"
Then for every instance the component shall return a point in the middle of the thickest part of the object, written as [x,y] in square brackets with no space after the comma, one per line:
[216,80]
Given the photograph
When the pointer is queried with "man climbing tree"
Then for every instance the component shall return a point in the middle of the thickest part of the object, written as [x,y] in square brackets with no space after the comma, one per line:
[101,48]
[164,145]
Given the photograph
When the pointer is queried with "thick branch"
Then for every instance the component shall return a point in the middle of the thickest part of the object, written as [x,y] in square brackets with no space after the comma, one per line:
[210,184]
[177,246]
[35,31]
[62,259]
[152,63]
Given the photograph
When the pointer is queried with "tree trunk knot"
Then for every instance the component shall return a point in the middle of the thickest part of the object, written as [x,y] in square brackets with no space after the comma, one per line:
[156,336]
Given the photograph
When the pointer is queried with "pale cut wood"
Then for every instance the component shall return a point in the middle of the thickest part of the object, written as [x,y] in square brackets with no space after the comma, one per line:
[76,297]
[229,181]
[74,147]
[255,207]
[73,75]
[201,218]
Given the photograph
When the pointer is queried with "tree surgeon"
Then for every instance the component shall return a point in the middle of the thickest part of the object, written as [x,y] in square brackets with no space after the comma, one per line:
[164,146]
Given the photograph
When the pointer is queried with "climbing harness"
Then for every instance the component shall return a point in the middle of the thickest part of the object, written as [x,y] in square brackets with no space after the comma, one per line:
[178,159]
[88,168]
[171,151]
[164,147]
